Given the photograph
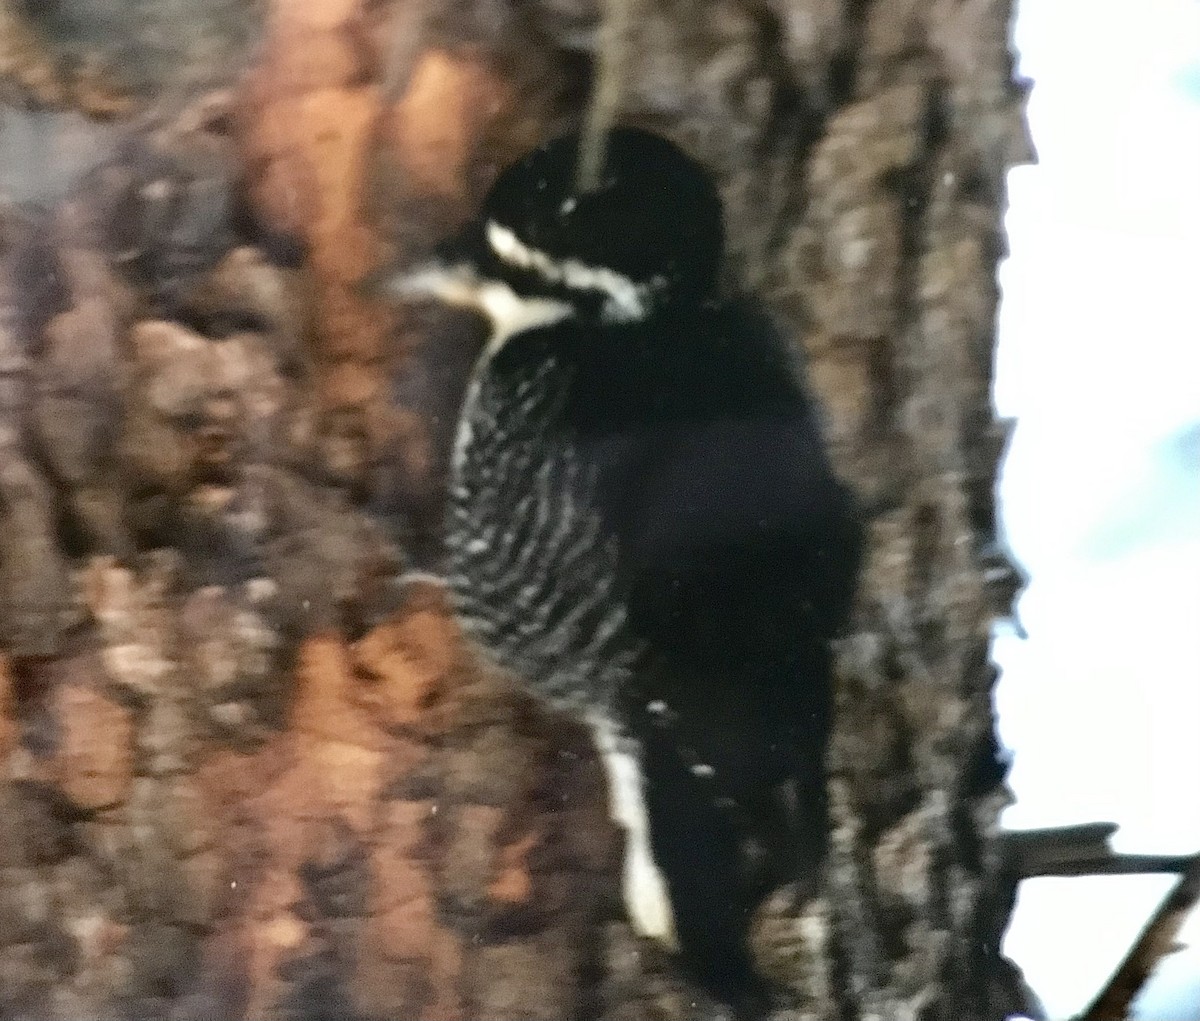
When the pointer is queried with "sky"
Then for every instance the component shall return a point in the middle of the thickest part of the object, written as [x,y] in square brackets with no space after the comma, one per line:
[1099,360]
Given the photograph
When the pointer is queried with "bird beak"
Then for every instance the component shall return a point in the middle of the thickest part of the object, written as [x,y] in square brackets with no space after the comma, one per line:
[452,284]
[449,276]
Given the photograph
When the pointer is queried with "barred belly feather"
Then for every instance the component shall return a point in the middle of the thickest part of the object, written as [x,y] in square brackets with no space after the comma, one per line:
[532,571]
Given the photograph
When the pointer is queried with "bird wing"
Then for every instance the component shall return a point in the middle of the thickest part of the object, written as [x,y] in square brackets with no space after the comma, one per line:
[738,549]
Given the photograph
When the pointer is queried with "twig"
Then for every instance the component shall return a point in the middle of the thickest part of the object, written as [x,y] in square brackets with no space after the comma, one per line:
[1081,851]
[1116,865]
[616,27]
[1154,942]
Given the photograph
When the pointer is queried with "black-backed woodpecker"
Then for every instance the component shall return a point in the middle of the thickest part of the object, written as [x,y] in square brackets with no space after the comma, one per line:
[643,525]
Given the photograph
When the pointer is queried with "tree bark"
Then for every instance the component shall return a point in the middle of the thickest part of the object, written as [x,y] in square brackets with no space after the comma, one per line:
[247,773]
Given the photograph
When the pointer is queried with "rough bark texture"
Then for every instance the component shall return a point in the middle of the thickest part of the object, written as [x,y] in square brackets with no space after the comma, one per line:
[246,773]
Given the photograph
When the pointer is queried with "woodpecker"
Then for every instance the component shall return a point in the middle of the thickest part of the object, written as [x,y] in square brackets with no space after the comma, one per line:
[643,525]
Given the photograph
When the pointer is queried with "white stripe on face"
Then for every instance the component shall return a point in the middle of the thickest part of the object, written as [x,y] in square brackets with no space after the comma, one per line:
[508,312]
[624,300]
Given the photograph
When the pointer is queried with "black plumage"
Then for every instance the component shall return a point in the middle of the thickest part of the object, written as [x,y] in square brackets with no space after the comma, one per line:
[643,523]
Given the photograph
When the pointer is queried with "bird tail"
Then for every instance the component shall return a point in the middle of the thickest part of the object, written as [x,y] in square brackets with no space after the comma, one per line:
[737,809]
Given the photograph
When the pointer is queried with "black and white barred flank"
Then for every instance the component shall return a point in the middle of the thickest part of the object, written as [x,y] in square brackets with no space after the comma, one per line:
[531,564]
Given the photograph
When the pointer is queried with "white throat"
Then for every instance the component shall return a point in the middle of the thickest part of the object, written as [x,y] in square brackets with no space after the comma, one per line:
[510,313]
[507,312]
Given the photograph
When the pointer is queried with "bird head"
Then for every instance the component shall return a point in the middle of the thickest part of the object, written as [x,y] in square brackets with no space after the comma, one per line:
[646,238]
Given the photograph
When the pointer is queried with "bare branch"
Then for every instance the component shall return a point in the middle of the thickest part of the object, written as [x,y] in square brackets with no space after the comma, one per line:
[1155,942]
[1082,851]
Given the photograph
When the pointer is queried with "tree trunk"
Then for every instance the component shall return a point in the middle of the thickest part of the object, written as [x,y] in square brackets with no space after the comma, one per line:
[249,774]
